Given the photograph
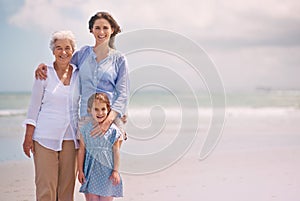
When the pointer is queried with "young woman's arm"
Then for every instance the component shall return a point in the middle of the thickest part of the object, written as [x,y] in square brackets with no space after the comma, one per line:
[41,72]
[119,106]
[99,130]
[122,87]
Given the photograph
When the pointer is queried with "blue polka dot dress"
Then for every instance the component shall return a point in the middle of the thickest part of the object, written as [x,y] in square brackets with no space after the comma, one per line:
[98,163]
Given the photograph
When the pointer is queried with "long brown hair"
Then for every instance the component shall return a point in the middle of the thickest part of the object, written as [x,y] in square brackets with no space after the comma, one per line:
[113,23]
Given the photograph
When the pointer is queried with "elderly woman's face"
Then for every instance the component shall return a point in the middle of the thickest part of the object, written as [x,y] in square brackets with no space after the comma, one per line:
[63,51]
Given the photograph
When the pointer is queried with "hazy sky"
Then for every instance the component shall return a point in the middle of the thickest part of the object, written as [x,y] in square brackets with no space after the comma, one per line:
[253,43]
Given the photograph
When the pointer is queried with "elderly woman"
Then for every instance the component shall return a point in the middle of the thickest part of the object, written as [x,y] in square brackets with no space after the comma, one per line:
[51,123]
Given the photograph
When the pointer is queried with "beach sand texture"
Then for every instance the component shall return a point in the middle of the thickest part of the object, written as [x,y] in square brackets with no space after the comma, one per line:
[257,158]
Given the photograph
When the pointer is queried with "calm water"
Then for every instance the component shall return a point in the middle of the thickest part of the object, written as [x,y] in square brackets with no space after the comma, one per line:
[145,109]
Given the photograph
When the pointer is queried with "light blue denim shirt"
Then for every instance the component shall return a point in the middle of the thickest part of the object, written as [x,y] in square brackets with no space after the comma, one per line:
[109,75]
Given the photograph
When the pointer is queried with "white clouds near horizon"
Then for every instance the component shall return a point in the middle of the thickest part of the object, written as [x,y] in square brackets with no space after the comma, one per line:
[247,22]
[252,42]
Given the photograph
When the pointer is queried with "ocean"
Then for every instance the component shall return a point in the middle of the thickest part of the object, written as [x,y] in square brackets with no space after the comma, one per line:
[154,118]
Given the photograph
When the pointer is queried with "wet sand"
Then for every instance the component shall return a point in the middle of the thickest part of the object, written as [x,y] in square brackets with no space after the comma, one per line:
[257,158]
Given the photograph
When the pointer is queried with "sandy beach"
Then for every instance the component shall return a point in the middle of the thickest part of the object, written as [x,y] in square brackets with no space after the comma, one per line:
[257,158]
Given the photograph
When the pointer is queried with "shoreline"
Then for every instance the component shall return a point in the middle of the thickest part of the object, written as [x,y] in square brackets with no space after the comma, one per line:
[257,158]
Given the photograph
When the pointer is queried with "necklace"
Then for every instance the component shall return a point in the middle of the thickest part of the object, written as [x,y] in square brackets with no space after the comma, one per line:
[62,74]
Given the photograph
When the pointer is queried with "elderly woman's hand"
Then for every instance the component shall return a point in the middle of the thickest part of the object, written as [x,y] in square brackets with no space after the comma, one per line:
[28,141]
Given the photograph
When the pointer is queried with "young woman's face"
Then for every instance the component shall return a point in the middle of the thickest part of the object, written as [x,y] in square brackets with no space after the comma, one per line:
[99,111]
[63,51]
[102,31]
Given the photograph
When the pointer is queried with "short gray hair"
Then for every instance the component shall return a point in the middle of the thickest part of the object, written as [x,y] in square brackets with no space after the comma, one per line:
[63,35]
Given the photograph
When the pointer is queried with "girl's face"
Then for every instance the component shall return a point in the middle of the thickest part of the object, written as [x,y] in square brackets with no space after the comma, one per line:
[102,31]
[63,51]
[99,111]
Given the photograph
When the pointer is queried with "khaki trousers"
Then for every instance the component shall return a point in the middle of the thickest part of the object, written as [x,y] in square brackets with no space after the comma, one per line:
[55,172]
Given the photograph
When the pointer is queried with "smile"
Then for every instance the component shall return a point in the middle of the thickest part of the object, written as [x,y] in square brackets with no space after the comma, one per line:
[101,37]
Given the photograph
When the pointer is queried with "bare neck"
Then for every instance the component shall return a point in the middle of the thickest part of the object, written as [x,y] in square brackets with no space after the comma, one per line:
[61,67]
[101,51]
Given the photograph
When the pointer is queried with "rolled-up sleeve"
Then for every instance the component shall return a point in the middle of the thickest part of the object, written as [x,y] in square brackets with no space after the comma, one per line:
[79,56]
[122,87]
[35,102]
[75,58]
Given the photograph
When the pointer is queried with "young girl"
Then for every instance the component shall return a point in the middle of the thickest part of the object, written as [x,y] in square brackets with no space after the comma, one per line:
[99,157]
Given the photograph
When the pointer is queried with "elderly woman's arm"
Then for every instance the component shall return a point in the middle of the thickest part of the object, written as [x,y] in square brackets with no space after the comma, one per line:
[32,115]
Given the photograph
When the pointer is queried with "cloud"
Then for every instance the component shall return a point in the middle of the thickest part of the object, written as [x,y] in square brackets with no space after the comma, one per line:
[229,23]
[256,40]
[44,15]
[47,16]
[176,15]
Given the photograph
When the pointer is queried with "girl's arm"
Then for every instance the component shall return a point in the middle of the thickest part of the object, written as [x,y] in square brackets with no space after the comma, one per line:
[80,160]
[115,177]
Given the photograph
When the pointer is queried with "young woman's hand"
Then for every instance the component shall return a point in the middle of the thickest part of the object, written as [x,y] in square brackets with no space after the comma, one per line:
[100,130]
[41,72]
[124,119]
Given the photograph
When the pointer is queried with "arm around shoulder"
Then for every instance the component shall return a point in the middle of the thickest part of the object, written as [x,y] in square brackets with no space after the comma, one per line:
[41,72]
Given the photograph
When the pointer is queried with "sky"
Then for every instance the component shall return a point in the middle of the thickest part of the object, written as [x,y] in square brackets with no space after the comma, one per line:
[253,44]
